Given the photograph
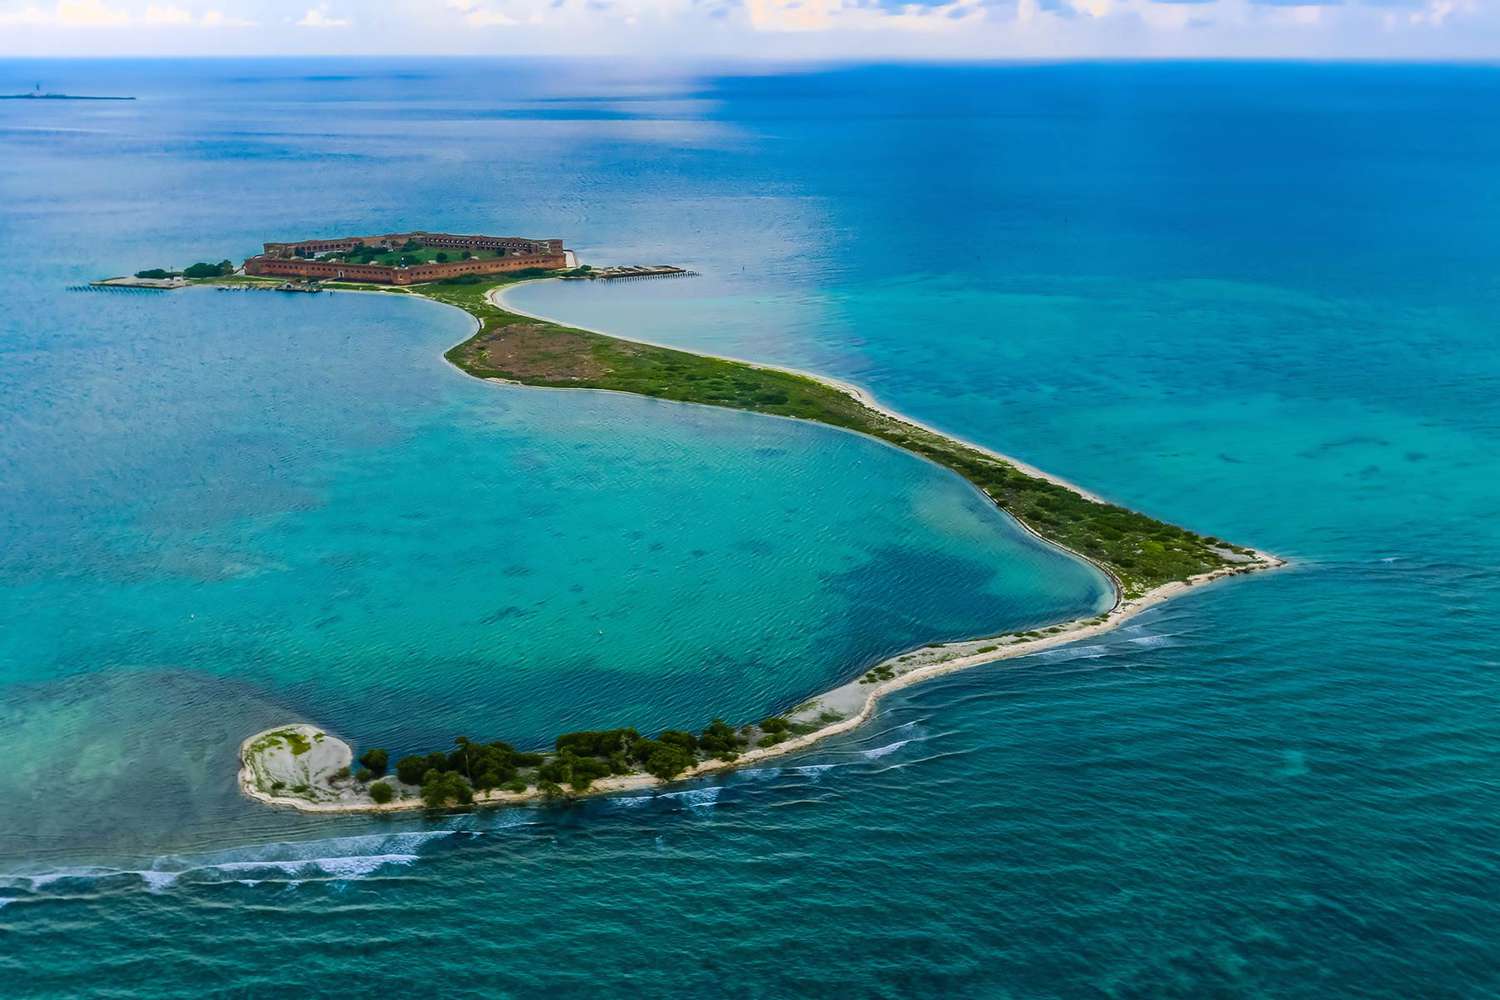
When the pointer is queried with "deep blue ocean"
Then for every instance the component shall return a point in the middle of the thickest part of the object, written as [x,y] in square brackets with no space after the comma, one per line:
[1259,300]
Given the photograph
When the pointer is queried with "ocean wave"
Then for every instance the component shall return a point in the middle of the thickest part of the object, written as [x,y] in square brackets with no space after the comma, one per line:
[696,799]
[889,748]
[158,881]
[1065,653]
[334,859]
[1151,640]
[629,801]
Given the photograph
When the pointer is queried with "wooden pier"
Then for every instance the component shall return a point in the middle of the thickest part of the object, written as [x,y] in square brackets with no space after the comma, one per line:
[130,284]
[620,273]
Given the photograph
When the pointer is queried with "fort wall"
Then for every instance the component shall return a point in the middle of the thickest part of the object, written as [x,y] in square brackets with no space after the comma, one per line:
[295,267]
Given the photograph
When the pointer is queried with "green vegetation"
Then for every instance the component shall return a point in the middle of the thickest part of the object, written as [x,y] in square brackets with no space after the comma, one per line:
[1138,551]
[446,788]
[408,254]
[774,730]
[375,761]
[202,269]
[206,270]
[578,760]
[381,793]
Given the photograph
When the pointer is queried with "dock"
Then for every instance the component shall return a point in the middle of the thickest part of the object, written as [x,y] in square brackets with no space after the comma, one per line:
[285,286]
[135,284]
[621,272]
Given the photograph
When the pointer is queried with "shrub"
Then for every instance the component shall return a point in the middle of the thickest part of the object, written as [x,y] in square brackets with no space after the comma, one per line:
[381,793]
[375,759]
[364,774]
[668,761]
[680,738]
[597,742]
[156,272]
[409,770]
[440,788]
[719,739]
[203,269]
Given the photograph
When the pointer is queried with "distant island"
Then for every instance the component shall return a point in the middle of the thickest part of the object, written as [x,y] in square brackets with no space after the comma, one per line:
[36,96]
[300,765]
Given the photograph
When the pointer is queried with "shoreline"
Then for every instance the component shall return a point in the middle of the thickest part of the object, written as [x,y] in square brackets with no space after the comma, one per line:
[863,699]
[844,707]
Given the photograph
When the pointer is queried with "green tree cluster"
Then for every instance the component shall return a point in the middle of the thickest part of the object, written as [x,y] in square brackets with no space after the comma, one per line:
[721,740]
[775,729]
[446,788]
[203,269]
[580,759]
[481,765]
[375,761]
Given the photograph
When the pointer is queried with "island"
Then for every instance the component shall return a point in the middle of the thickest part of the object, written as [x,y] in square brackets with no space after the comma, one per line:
[300,765]
[39,95]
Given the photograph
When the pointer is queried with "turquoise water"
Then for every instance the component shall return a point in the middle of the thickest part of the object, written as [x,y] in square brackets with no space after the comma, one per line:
[1258,300]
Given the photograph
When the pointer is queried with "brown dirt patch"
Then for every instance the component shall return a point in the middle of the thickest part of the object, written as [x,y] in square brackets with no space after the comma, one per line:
[527,351]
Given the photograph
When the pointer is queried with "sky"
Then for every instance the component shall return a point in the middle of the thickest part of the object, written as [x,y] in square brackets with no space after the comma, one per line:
[760,29]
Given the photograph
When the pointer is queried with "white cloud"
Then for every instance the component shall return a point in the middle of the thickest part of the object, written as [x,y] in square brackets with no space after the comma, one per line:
[482,16]
[25,15]
[827,15]
[179,17]
[318,17]
[775,29]
[168,15]
[219,19]
[89,14]
[67,14]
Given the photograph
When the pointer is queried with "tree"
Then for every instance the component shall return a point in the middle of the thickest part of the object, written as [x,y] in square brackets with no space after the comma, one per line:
[440,257]
[375,759]
[680,738]
[412,770]
[440,788]
[668,761]
[381,793]
[720,740]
